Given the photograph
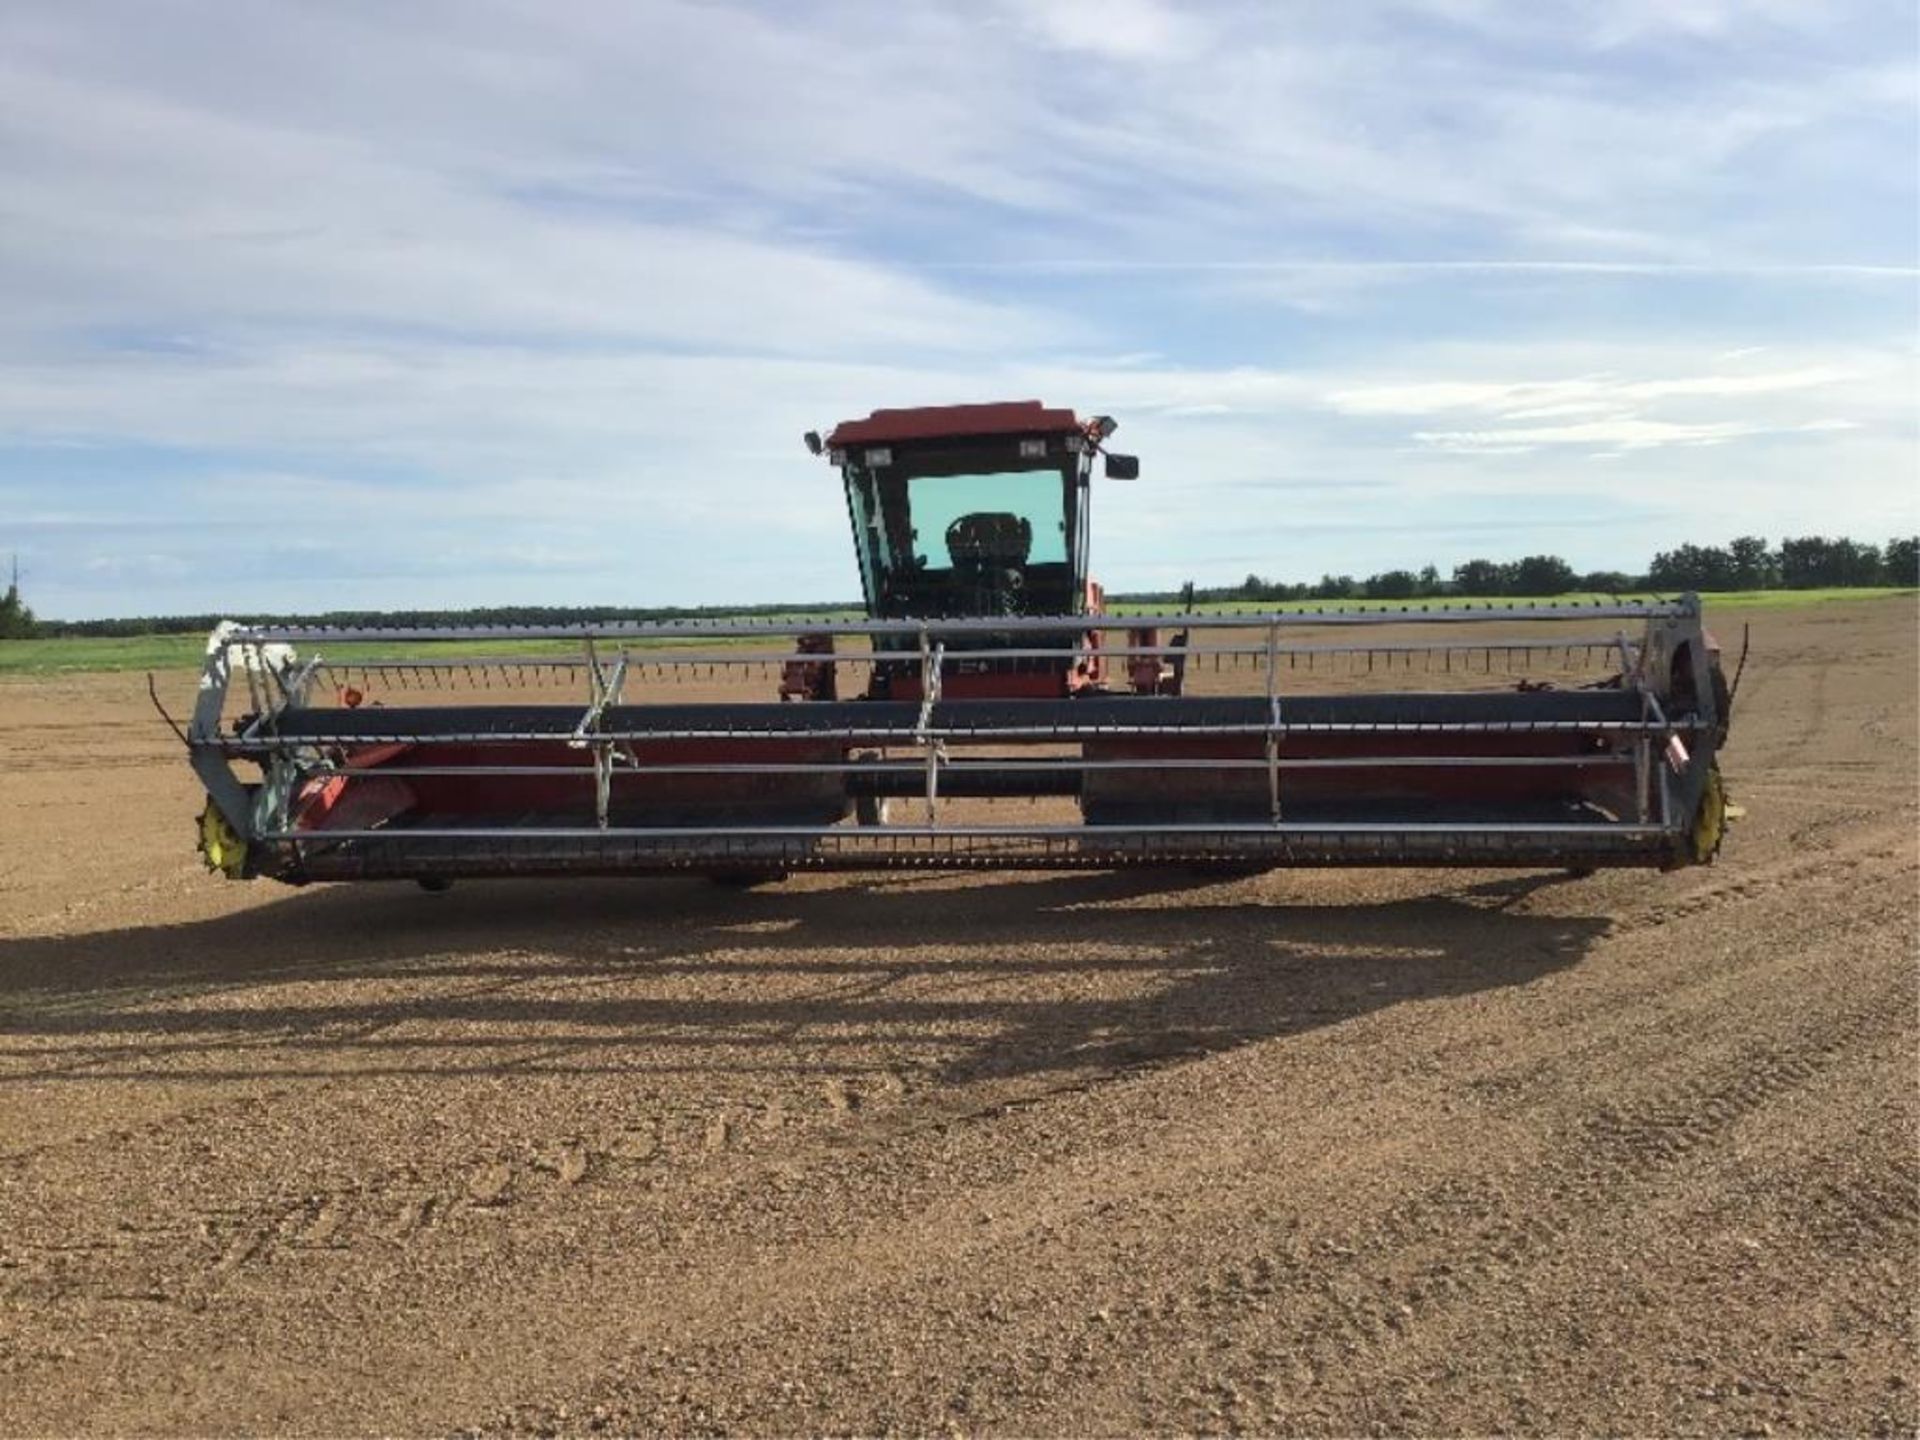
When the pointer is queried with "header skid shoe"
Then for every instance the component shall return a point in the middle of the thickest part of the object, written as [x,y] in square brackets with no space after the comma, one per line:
[1546,736]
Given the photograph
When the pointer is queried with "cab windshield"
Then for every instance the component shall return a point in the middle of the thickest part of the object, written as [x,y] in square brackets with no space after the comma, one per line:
[937,537]
[937,506]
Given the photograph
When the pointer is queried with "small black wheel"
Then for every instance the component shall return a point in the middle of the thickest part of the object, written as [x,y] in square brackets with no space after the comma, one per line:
[434,884]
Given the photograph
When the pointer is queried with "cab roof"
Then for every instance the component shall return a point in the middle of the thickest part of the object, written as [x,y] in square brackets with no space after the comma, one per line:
[953,422]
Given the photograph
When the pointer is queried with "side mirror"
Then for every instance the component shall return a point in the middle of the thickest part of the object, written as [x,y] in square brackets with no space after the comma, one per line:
[812,438]
[1123,467]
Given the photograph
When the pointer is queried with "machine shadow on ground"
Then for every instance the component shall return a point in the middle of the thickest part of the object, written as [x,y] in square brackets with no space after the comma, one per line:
[1003,976]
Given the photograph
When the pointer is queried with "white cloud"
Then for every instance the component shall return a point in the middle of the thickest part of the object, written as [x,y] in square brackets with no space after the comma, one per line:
[1125,30]
[1623,433]
[1611,413]
[1582,393]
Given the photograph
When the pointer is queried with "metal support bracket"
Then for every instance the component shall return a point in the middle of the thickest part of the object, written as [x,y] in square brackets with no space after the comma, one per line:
[1273,721]
[932,657]
[229,796]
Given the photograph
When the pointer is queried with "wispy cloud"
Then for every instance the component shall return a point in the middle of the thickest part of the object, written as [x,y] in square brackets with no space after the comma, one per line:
[1614,433]
[1532,398]
[1608,412]
[1421,269]
[1141,31]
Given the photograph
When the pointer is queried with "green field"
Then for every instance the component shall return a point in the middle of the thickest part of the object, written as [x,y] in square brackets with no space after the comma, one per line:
[133,652]
[183,652]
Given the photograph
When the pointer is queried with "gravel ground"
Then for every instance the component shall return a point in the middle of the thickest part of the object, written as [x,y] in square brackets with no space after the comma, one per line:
[1309,1153]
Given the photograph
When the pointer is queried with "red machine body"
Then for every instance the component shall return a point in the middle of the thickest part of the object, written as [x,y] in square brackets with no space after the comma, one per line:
[987,668]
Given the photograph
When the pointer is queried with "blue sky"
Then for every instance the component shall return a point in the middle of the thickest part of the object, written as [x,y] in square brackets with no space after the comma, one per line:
[497,302]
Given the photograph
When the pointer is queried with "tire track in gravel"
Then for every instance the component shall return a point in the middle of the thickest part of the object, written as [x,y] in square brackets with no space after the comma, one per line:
[1496,1247]
[204,1244]
[1618,1150]
[1884,1209]
[1721,1107]
[822,1275]
[1628,1142]
[397,1203]
[1454,1243]
[1834,864]
[1800,1310]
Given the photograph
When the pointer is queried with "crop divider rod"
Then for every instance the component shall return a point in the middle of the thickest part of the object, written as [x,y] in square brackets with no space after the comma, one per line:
[278,674]
[1643,742]
[1674,752]
[1629,662]
[606,687]
[1273,721]
[268,719]
[932,658]
[606,691]
[249,662]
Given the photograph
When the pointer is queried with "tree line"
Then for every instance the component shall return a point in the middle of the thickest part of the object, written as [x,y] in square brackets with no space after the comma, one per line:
[1749,563]
[16,620]
[135,625]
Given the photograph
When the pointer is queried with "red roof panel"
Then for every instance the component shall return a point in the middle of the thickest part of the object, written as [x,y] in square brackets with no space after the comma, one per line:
[940,422]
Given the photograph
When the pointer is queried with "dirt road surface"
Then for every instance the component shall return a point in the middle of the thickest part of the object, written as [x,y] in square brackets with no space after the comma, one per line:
[1312,1153]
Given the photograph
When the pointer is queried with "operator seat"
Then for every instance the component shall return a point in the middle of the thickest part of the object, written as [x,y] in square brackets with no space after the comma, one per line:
[989,551]
[990,537]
